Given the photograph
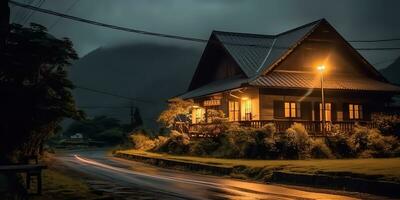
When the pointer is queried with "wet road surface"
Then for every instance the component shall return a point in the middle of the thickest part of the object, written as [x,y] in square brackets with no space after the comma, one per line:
[135,180]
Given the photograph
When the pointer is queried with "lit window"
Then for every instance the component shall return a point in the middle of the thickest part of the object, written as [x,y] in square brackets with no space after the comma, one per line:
[198,115]
[328,112]
[233,111]
[247,110]
[292,109]
[355,111]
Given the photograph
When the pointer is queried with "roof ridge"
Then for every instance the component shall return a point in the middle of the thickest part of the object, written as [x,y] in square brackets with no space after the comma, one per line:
[302,26]
[245,34]
[269,35]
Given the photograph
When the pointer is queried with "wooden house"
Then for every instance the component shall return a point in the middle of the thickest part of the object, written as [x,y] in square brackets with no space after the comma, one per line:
[258,79]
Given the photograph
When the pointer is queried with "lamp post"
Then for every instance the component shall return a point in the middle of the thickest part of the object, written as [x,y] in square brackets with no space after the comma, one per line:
[321,69]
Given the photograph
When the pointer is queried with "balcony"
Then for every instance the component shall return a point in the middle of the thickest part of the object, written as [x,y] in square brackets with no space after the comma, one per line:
[314,128]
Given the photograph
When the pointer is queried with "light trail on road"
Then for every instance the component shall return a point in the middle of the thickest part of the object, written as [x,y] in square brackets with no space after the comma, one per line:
[182,184]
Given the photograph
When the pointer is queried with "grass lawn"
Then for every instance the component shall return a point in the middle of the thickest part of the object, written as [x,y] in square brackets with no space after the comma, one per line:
[384,168]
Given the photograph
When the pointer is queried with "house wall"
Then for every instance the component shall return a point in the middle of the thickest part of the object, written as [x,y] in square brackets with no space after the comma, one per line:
[310,104]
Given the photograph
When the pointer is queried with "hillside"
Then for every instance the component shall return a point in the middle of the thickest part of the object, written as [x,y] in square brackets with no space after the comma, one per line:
[144,71]
[392,72]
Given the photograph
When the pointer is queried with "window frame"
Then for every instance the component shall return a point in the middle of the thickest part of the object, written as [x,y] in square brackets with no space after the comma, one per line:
[330,111]
[356,114]
[247,110]
[291,110]
[235,111]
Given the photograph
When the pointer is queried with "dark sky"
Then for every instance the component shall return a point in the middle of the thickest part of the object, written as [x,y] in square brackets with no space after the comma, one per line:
[354,19]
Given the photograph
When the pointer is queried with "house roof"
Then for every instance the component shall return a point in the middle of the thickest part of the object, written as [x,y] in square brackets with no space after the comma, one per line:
[215,87]
[302,80]
[255,53]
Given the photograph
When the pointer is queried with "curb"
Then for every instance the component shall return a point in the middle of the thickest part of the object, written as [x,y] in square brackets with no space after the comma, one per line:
[162,162]
[346,183]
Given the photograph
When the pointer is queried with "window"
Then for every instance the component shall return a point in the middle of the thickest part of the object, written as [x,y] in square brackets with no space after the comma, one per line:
[247,109]
[198,115]
[355,111]
[328,112]
[292,110]
[233,111]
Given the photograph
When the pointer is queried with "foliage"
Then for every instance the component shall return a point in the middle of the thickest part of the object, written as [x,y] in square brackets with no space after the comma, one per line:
[142,142]
[111,136]
[387,124]
[137,119]
[36,92]
[319,149]
[203,147]
[294,143]
[216,116]
[340,145]
[102,128]
[371,143]
[177,143]
[178,111]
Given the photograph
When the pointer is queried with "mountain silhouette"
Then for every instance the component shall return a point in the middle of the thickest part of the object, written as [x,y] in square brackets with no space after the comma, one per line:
[149,72]
[392,72]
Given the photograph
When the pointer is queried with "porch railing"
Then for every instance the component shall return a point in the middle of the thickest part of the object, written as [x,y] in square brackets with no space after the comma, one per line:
[312,127]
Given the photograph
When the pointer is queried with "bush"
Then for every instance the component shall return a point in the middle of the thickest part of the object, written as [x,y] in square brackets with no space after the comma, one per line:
[320,150]
[177,143]
[387,124]
[111,136]
[203,147]
[294,143]
[371,143]
[340,145]
[235,143]
[142,142]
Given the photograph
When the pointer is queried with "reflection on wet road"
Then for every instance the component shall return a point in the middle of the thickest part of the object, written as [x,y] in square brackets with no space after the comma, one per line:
[133,179]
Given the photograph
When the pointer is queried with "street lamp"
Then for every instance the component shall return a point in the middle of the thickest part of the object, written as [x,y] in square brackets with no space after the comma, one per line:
[321,69]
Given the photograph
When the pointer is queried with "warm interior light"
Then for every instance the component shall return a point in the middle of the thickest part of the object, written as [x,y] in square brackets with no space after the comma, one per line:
[321,68]
[195,106]
[245,98]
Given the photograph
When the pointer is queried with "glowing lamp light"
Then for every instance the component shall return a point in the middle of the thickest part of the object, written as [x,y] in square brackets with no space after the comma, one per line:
[195,106]
[321,68]
[245,98]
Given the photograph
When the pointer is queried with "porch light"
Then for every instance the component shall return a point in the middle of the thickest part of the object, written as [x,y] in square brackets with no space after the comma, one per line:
[245,98]
[321,68]
[195,106]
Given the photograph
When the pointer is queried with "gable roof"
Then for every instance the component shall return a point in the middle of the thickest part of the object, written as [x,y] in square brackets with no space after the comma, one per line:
[255,53]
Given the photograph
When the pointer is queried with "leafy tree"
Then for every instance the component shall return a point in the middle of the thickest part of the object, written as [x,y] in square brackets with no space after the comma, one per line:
[137,118]
[100,128]
[177,115]
[35,90]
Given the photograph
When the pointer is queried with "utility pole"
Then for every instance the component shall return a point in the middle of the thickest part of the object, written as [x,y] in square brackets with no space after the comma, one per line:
[4,23]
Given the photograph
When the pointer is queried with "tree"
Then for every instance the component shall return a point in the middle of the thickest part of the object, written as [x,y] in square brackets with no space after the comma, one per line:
[177,115]
[137,119]
[35,90]
[4,22]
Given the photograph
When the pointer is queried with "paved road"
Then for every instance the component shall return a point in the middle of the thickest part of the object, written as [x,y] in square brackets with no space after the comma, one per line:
[134,180]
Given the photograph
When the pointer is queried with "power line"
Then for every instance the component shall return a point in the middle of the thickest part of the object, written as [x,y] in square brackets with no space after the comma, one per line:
[66,12]
[20,14]
[39,4]
[380,40]
[116,95]
[148,32]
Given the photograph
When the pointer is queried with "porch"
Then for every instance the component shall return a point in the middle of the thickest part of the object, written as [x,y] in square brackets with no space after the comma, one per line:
[314,128]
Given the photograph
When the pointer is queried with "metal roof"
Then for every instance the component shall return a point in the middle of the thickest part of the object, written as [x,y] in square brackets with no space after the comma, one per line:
[297,80]
[215,87]
[255,53]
